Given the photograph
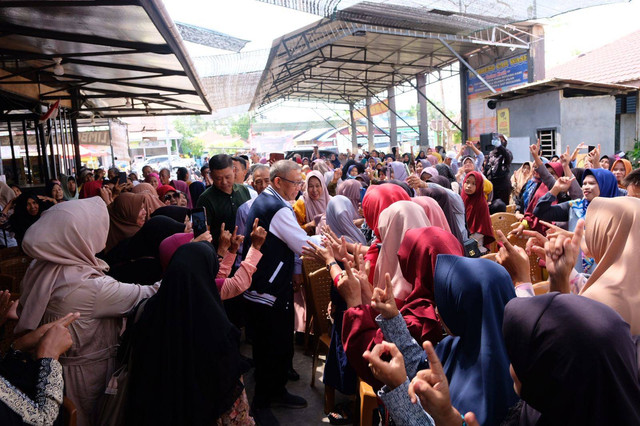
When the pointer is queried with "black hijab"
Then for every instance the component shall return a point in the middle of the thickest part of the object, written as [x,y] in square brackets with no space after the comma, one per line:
[345,168]
[576,360]
[186,365]
[578,172]
[21,220]
[401,184]
[441,180]
[146,242]
[177,213]
[444,170]
[196,189]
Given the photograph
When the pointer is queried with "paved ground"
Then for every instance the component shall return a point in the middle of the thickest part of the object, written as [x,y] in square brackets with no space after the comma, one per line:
[314,413]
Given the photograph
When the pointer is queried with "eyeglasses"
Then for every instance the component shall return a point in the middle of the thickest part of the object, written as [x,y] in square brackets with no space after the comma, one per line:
[296,183]
[176,195]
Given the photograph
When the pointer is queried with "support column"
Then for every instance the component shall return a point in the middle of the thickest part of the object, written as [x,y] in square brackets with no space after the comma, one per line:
[423,125]
[354,130]
[464,105]
[370,131]
[75,107]
[393,125]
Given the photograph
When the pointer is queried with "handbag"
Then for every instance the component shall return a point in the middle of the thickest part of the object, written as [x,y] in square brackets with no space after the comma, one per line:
[471,248]
[110,409]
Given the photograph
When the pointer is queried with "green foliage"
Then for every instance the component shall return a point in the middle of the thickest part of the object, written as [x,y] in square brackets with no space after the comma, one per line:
[194,147]
[634,154]
[240,126]
[189,127]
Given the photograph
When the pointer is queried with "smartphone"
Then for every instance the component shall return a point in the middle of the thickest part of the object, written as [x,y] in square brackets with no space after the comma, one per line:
[199,221]
[122,178]
[362,192]
[275,156]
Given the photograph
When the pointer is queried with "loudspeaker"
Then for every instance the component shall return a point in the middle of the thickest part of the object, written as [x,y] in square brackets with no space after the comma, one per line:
[485,143]
[492,104]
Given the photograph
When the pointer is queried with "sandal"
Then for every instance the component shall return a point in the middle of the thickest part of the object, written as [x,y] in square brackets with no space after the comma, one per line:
[340,415]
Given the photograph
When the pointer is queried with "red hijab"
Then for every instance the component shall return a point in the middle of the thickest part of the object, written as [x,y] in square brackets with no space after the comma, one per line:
[477,209]
[417,256]
[91,189]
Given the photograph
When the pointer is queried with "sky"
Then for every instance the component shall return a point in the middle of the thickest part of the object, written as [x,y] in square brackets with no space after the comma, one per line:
[566,36]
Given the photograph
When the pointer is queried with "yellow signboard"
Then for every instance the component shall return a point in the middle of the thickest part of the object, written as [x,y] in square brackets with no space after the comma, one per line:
[503,121]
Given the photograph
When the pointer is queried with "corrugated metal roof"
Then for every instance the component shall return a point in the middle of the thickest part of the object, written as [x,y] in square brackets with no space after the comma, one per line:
[616,62]
[112,51]
[207,37]
[572,87]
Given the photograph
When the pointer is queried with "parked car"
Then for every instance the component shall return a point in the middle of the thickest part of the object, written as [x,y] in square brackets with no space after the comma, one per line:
[307,151]
[162,161]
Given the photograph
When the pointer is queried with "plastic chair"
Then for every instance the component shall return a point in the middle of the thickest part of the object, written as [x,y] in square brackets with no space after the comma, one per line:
[309,265]
[69,412]
[511,208]
[368,403]
[16,267]
[7,282]
[541,288]
[10,252]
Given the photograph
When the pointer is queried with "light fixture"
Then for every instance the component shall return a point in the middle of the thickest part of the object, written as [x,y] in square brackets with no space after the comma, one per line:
[58,69]
[128,104]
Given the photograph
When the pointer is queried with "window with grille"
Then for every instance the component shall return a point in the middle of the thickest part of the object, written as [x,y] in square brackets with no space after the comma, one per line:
[547,142]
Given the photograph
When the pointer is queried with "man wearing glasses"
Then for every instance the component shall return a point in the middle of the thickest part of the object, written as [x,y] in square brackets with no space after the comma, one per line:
[270,297]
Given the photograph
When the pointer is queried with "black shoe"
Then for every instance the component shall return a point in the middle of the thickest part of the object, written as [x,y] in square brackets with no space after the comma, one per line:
[288,400]
[292,375]
[264,417]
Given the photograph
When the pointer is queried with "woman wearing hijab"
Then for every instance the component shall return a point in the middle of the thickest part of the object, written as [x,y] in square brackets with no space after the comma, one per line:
[27,210]
[595,183]
[137,259]
[432,159]
[416,257]
[126,215]
[399,171]
[452,207]
[351,189]
[612,230]
[177,213]
[313,203]
[184,344]
[375,201]
[519,179]
[620,169]
[573,361]
[433,211]
[477,210]
[184,188]
[69,187]
[340,217]
[153,179]
[91,189]
[151,200]
[66,276]
[421,164]
[428,172]
[471,295]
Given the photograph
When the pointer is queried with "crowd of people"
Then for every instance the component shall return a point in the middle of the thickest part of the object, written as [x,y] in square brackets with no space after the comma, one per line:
[136,315]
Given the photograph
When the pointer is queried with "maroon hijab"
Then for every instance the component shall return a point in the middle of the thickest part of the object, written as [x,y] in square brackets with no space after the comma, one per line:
[477,209]
[417,257]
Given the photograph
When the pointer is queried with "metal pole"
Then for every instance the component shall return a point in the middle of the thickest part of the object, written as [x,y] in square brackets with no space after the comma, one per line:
[469,67]
[420,94]
[16,172]
[26,151]
[423,124]
[354,129]
[113,157]
[393,125]
[75,109]
[464,107]
[370,131]
[53,154]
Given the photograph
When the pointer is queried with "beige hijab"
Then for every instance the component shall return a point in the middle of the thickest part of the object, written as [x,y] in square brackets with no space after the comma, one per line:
[394,222]
[612,233]
[63,244]
[6,194]
[123,217]
[151,200]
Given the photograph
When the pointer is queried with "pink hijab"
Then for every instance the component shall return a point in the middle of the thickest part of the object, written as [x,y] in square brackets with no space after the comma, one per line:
[63,244]
[433,211]
[169,246]
[184,188]
[394,222]
[316,207]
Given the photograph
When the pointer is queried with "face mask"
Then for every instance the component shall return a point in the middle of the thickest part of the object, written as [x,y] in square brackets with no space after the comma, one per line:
[495,142]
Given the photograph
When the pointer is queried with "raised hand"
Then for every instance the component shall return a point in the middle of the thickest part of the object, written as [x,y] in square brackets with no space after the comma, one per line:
[5,305]
[565,158]
[258,235]
[415,182]
[349,288]
[535,243]
[322,254]
[391,373]
[224,241]
[514,259]
[383,301]
[205,236]
[29,341]
[561,253]
[562,185]
[236,240]
[517,230]
[432,388]
[554,231]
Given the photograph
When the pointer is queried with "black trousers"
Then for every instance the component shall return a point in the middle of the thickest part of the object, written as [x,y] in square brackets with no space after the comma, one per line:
[502,189]
[272,329]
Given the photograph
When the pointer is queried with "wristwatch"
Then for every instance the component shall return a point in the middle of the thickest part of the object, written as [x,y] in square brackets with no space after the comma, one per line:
[330,265]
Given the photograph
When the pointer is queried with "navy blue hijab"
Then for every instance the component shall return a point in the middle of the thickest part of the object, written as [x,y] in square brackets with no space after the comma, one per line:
[470,295]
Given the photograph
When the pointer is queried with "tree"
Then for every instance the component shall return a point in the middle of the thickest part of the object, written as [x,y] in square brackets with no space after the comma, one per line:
[240,126]
[189,127]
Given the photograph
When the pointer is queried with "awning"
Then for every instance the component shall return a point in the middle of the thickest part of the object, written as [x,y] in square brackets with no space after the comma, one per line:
[124,57]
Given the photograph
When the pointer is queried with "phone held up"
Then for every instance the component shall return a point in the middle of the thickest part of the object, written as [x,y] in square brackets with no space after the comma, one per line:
[199,221]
